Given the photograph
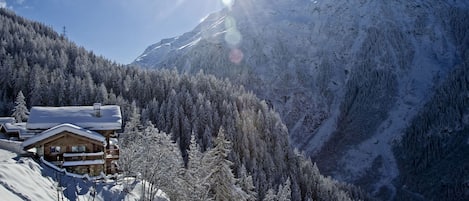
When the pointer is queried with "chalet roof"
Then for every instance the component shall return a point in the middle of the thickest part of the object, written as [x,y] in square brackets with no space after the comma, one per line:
[4,120]
[19,128]
[62,128]
[14,127]
[42,118]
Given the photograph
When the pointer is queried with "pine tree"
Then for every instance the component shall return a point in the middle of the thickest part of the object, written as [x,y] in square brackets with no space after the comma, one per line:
[284,192]
[270,196]
[246,183]
[20,112]
[131,126]
[221,178]
[197,188]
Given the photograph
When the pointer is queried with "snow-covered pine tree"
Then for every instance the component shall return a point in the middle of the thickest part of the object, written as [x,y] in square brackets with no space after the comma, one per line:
[157,160]
[195,175]
[20,112]
[246,183]
[131,126]
[221,178]
[270,196]
[284,192]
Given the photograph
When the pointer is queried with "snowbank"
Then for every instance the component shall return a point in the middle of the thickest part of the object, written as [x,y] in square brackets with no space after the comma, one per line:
[10,145]
[22,178]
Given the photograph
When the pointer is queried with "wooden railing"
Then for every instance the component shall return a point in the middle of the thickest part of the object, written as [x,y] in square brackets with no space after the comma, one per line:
[82,156]
[112,153]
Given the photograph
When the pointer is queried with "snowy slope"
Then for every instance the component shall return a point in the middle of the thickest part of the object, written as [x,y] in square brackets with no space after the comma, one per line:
[346,76]
[22,178]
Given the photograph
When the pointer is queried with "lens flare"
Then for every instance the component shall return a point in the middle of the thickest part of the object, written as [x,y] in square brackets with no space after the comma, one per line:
[230,22]
[236,56]
[232,36]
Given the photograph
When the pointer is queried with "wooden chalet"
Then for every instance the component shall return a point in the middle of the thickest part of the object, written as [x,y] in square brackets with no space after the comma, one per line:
[77,138]
[7,127]
[13,130]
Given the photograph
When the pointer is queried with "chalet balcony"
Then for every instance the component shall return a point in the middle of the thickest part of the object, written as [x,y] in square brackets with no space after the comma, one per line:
[82,156]
[76,159]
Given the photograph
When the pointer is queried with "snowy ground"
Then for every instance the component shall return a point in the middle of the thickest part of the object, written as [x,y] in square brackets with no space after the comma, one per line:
[22,178]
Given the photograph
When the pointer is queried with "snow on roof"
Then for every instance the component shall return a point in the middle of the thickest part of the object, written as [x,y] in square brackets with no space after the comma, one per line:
[26,135]
[61,128]
[4,120]
[14,127]
[87,162]
[109,117]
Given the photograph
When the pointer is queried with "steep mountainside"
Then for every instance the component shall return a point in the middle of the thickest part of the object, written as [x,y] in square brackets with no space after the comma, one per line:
[348,77]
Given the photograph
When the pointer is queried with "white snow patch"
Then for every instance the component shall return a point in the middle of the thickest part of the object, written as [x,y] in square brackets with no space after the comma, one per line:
[8,195]
[23,179]
[324,132]
[190,44]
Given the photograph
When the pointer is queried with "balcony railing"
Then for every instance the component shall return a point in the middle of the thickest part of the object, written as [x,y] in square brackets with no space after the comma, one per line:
[112,153]
[75,156]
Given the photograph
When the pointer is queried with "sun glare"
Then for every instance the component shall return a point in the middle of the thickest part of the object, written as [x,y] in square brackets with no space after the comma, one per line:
[228,3]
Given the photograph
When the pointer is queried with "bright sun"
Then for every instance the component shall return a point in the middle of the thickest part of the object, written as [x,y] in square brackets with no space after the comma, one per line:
[228,3]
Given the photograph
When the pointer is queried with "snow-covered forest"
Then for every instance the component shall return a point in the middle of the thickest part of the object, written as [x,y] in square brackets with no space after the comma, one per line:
[433,152]
[52,71]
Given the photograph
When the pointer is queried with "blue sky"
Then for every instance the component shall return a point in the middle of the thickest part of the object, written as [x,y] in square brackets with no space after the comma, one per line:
[120,30]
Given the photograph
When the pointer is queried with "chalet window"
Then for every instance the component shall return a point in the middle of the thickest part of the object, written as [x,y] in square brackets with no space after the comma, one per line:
[55,149]
[79,148]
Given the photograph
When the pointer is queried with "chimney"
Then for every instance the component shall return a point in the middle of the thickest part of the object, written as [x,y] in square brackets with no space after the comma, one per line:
[97,109]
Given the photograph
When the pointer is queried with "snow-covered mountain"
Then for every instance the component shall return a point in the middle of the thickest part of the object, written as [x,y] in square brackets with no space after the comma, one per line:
[346,76]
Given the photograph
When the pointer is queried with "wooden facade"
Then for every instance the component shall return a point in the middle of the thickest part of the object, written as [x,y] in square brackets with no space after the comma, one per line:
[76,138]
[64,148]
[79,154]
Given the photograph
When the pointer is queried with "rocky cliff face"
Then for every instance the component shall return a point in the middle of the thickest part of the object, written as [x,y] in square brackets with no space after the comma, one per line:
[347,77]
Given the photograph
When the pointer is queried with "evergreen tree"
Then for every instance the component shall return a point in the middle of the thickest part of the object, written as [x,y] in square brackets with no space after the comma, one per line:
[246,183]
[270,196]
[284,192]
[132,126]
[221,178]
[197,187]
[20,112]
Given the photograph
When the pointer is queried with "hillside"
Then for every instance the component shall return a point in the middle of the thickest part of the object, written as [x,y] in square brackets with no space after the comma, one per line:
[351,80]
[22,178]
[16,171]
[50,70]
